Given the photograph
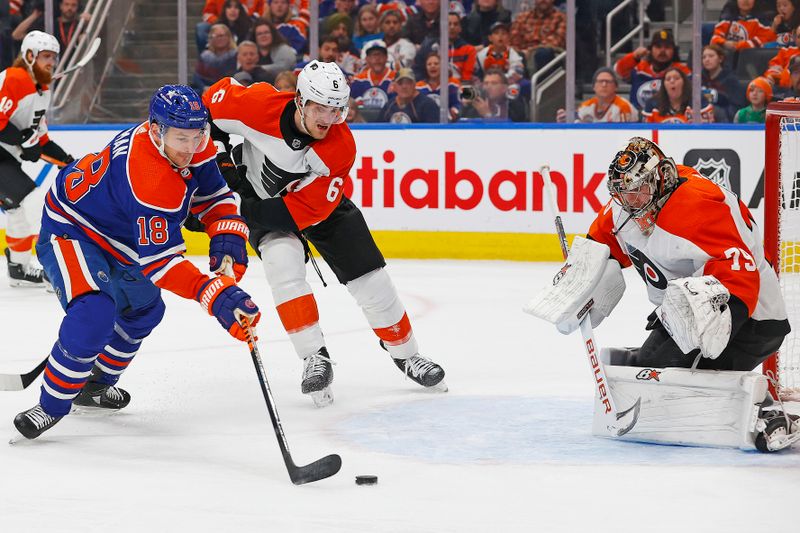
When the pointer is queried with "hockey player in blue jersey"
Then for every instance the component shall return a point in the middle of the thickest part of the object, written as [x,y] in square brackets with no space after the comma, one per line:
[111,240]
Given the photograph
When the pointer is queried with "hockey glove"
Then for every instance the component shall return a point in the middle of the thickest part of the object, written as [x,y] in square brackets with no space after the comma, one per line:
[228,170]
[226,302]
[29,143]
[228,245]
[695,313]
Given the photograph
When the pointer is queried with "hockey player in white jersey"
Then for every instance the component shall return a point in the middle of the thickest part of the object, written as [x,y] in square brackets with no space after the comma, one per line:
[296,155]
[24,100]
[719,307]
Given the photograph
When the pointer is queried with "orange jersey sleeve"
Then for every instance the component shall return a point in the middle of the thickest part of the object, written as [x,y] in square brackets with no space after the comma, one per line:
[250,107]
[705,219]
[16,85]
[602,229]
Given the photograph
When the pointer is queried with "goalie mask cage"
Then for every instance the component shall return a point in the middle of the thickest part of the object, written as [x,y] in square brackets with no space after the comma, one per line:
[782,234]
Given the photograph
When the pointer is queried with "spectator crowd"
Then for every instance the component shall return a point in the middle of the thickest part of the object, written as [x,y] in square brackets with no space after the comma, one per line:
[389,51]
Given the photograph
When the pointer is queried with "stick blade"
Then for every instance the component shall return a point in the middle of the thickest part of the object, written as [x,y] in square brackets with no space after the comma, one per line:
[90,52]
[320,469]
[17,382]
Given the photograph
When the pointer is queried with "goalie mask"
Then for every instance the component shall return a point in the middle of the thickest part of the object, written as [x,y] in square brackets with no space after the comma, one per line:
[640,180]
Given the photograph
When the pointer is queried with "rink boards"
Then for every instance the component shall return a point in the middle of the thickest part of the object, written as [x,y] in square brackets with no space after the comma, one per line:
[475,191]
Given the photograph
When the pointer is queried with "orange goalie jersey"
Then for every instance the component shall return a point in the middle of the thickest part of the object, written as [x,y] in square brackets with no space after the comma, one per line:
[703,229]
[307,174]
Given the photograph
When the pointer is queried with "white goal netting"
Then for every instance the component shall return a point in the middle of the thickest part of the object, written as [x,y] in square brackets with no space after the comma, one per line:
[788,363]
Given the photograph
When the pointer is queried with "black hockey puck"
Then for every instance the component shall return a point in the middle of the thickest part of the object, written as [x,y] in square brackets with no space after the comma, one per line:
[366,480]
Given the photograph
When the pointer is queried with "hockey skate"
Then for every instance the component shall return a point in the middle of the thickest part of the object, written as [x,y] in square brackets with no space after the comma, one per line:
[422,371]
[776,429]
[30,275]
[96,396]
[34,422]
[317,378]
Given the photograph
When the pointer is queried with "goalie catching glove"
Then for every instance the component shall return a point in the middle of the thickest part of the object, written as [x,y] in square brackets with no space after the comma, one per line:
[588,282]
[695,313]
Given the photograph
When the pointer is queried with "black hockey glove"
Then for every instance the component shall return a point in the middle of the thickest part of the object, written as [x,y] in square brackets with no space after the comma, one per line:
[228,170]
[32,153]
[29,153]
[193,224]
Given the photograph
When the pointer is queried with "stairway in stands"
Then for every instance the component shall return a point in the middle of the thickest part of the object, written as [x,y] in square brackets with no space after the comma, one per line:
[146,60]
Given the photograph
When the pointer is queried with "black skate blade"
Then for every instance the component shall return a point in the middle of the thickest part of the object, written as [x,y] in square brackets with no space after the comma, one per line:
[320,469]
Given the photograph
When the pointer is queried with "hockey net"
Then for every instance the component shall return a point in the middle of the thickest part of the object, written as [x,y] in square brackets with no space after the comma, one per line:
[782,234]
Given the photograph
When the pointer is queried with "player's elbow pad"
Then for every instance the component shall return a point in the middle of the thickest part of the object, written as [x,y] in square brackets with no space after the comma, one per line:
[270,214]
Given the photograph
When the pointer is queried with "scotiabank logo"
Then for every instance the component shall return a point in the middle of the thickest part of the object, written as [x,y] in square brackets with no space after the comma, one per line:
[450,185]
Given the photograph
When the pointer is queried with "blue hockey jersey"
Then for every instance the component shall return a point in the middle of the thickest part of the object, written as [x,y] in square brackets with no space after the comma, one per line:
[131,202]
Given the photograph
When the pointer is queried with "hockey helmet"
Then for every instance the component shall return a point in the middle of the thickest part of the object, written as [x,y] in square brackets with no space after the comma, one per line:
[640,179]
[324,83]
[181,108]
[37,41]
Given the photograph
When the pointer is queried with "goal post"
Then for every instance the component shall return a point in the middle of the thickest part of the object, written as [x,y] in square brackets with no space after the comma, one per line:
[782,233]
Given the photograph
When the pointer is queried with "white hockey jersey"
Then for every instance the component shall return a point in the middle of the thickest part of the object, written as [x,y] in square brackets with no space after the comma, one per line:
[23,104]
[703,229]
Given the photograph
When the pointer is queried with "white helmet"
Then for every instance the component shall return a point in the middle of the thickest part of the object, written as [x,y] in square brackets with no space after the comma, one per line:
[323,83]
[37,41]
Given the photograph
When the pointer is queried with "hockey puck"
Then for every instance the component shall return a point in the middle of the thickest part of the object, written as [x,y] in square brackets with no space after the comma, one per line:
[366,480]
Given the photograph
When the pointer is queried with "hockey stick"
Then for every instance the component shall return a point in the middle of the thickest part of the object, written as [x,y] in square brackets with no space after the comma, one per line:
[602,387]
[320,469]
[53,161]
[14,382]
[83,61]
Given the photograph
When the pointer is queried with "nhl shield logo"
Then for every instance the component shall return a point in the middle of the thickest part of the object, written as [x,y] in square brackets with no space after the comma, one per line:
[716,170]
[296,143]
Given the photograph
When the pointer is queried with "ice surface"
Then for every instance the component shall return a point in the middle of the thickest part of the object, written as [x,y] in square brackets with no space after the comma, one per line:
[507,449]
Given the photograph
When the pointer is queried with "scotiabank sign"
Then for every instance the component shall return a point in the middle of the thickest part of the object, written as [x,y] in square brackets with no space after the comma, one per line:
[487,180]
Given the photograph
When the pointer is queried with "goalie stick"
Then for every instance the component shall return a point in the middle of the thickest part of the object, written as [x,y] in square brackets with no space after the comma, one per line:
[83,61]
[14,382]
[602,387]
[319,469]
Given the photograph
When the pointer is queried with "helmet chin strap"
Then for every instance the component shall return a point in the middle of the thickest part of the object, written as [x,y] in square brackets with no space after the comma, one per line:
[300,107]
[160,145]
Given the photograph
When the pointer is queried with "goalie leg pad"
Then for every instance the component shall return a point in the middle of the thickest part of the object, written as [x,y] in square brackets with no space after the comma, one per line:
[680,406]
[696,314]
[588,282]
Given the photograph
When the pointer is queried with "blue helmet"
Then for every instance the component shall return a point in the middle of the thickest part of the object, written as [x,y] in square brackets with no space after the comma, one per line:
[178,106]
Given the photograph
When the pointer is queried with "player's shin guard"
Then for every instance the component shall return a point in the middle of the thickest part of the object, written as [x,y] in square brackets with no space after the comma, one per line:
[378,299]
[84,330]
[283,257]
[19,236]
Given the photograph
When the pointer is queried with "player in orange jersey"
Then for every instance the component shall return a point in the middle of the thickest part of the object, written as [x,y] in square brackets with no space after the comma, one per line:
[296,155]
[24,100]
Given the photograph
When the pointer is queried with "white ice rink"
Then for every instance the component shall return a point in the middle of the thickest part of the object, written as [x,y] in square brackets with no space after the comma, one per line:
[507,449]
